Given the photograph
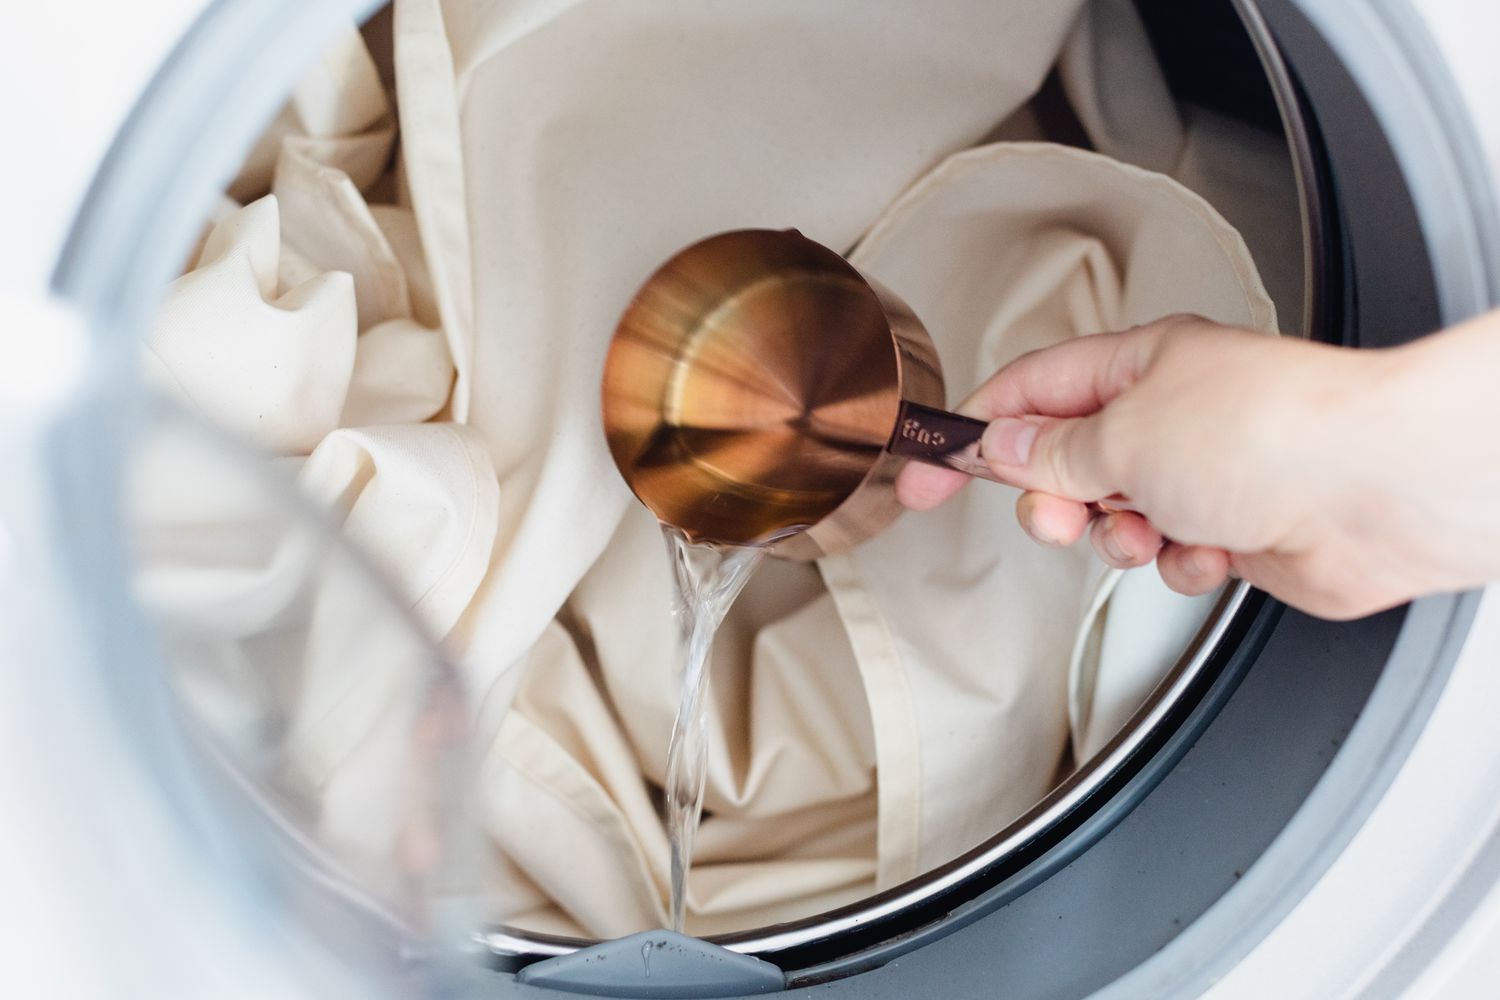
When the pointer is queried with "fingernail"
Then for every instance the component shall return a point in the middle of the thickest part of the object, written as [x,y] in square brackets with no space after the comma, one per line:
[1112,547]
[1029,525]
[1008,441]
[1041,537]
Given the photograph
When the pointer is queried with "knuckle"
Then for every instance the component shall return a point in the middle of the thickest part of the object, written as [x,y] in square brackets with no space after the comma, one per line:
[1179,339]
[1113,443]
[1055,444]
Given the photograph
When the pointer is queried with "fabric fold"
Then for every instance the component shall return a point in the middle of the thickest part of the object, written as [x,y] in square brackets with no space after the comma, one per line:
[1001,250]
[270,365]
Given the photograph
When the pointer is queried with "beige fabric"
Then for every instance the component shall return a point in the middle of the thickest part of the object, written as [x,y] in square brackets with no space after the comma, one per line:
[790,788]
[1002,250]
[338,115]
[1119,93]
[1133,634]
[284,648]
[430,375]
[307,324]
[640,129]
[962,631]
[596,138]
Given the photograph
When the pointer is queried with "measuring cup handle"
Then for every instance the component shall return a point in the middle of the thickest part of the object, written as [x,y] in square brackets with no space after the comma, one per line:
[937,437]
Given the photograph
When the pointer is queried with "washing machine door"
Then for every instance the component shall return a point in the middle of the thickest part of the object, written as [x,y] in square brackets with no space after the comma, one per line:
[119,879]
[145,854]
[136,859]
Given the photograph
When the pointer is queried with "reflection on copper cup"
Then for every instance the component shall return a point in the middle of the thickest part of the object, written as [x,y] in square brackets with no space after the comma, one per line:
[759,389]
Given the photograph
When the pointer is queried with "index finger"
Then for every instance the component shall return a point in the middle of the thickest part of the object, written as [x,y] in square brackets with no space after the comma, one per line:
[1072,379]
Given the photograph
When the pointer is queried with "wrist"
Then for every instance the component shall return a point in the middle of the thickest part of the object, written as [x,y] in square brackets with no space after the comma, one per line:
[1338,401]
[1430,454]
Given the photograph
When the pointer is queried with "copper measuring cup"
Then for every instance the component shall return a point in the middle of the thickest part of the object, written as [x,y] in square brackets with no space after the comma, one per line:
[759,388]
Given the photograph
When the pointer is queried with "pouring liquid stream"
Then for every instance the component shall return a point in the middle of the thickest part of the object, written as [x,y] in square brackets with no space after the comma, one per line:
[707,579]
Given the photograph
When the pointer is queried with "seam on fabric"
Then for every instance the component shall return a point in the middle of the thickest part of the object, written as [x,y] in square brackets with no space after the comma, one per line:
[852,586]
[469,532]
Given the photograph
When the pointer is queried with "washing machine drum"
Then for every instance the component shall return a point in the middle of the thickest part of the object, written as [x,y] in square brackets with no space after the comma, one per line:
[1217,158]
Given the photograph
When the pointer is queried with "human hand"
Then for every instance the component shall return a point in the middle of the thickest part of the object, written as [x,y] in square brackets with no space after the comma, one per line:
[1331,478]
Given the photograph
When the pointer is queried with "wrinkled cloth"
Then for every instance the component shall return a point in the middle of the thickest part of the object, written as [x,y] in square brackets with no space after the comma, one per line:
[427,370]
[1119,94]
[1002,250]
[558,150]
[307,325]
[913,696]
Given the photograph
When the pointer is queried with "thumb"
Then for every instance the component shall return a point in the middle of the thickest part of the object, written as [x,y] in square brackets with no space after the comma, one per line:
[1055,455]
